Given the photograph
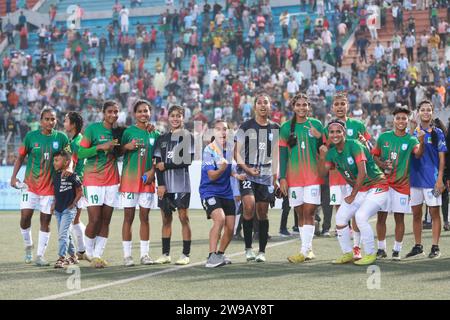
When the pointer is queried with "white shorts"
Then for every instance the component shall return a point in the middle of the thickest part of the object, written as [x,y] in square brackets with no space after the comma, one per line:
[30,200]
[421,195]
[131,200]
[300,195]
[373,199]
[339,193]
[100,195]
[397,202]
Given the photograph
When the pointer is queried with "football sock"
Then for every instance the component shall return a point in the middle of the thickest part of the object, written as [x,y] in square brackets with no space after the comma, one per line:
[186,247]
[78,230]
[247,225]
[145,248]
[263,234]
[308,234]
[356,239]
[398,246]
[344,239]
[382,244]
[27,239]
[43,242]
[126,248]
[166,246]
[89,244]
[100,244]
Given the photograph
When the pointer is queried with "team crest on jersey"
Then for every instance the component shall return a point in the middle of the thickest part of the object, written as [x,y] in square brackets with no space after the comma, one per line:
[350,160]
[350,132]
[386,144]
[270,136]
[310,134]
[404,146]
[151,140]
[212,201]
[36,145]
[55,144]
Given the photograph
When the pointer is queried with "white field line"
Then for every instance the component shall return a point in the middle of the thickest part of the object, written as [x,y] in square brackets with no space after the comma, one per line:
[152,274]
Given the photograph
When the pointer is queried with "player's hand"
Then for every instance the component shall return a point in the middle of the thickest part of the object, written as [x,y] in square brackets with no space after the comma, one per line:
[421,135]
[160,166]
[67,173]
[414,122]
[133,145]
[448,184]
[71,206]
[315,133]
[387,164]
[241,177]
[150,177]
[323,150]
[439,186]
[362,139]
[253,172]
[52,208]
[107,146]
[150,127]
[161,191]
[223,164]
[237,198]
[284,187]
[14,181]
[350,199]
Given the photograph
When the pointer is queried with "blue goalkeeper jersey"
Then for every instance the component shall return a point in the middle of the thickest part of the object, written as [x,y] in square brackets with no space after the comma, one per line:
[221,187]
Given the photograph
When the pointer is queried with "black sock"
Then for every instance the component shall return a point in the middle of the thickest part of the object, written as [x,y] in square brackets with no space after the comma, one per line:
[220,252]
[166,246]
[263,234]
[186,247]
[247,225]
[210,254]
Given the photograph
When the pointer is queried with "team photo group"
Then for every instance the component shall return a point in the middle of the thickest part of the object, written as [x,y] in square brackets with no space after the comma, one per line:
[74,175]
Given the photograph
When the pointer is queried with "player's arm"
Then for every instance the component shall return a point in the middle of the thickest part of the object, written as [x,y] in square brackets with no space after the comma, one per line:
[440,179]
[213,175]
[419,149]
[323,165]
[376,153]
[241,163]
[17,165]
[283,164]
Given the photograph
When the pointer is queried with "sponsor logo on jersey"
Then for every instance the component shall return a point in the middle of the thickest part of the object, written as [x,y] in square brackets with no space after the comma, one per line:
[55,144]
[350,132]
[350,160]
[404,146]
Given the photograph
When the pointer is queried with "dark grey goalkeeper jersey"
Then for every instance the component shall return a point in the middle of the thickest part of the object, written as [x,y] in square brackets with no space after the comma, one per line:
[176,150]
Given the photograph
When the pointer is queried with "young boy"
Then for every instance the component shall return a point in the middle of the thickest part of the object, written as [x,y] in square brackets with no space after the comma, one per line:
[67,193]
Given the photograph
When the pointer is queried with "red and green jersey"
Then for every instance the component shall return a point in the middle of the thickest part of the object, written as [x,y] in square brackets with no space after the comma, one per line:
[354,129]
[346,163]
[40,149]
[299,164]
[79,163]
[398,149]
[101,169]
[137,162]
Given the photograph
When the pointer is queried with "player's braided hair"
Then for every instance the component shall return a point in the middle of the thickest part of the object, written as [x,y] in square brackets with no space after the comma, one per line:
[292,140]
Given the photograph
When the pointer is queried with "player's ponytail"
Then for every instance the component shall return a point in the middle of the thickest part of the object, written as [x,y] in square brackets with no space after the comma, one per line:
[76,119]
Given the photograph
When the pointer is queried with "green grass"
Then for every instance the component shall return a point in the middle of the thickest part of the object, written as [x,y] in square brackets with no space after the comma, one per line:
[276,279]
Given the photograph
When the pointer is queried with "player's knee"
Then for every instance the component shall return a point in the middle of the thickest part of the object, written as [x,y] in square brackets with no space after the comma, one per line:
[184,219]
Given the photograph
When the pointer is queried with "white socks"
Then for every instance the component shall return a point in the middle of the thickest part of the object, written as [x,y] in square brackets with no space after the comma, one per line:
[382,244]
[90,244]
[43,242]
[398,246]
[78,230]
[99,248]
[307,235]
[27,239]
[356,239]
[145,248]
[126,248]
[344,239]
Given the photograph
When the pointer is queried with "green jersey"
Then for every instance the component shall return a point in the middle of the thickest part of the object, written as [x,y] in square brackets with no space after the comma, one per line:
[398,149]
[354,128]
[101,169]
[137,162]
[298,165]
[79,163]
[40,149]
[346,163]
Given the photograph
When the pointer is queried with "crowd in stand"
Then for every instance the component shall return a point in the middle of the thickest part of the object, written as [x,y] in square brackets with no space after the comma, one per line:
[216,58]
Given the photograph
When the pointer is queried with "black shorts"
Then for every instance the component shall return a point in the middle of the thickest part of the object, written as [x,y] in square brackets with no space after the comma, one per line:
[213,203]
[173,201]
[262,192]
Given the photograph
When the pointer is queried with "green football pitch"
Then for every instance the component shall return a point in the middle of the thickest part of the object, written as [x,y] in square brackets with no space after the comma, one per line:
[420,278]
